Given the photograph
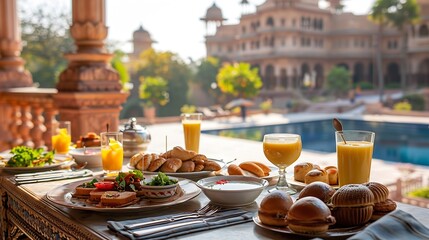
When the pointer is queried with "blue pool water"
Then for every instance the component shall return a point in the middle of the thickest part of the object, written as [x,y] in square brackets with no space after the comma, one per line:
[396,142]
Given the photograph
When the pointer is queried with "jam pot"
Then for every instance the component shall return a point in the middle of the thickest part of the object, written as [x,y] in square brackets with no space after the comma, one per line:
[135,138]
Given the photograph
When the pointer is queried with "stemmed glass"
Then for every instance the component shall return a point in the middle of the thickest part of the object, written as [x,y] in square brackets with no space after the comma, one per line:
[282,150]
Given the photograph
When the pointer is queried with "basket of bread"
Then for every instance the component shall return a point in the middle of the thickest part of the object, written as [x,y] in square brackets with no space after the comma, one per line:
[176,160]
[320,210]
[307,172]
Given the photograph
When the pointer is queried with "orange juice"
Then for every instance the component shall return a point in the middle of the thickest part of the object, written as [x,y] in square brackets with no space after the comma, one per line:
[61,142]
[112,156]
[283,153]
[354,161]
[192,129]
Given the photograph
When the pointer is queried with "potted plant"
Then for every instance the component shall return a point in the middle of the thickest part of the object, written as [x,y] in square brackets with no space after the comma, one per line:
[154,92]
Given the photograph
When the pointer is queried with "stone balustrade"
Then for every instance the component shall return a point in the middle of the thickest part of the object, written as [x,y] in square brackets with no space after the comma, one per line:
[27,117]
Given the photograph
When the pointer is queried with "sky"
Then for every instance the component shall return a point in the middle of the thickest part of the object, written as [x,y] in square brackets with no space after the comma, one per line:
[174,24]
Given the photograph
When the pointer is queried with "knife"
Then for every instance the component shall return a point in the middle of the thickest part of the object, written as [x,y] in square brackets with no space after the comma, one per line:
[21,175]
[51,175]
[86,173]
[144,232]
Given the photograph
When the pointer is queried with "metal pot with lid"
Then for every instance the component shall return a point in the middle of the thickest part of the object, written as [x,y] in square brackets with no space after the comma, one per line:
[135,138]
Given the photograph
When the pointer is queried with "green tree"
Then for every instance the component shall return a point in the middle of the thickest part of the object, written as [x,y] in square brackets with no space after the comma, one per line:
[239,80]
[154,91]
[338,81]
[45,38]
[172,69]
[119,66]
[206,76]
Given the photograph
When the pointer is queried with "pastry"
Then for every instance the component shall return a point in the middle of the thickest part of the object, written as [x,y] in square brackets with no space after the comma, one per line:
[187,166]
[235,170]
[171,165]
[198,167]
[155,164]
[199,158]
[211,166]
[264,167]
[309,215]
[316,175]
[252,168]
[332,172]
[134,160]
[182,154]
[352,205]
[382,205]
[321,190]
[300,170]
[274,208]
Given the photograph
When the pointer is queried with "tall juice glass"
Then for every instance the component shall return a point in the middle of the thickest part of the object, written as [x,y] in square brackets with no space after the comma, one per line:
[192,129]
[112,151]
[282,150]
[61,138]
[354,156]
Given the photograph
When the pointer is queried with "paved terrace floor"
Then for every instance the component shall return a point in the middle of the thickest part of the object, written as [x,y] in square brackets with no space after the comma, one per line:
[244,150]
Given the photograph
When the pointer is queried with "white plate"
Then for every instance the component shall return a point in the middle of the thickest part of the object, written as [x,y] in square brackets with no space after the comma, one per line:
[188,175]
[331,233]
[59,160]
[62,195]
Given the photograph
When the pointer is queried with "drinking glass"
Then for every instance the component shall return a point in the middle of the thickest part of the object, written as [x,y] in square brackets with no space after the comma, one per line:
[282,150]
[192,129]
[112,151]
[61,138]
[354,156]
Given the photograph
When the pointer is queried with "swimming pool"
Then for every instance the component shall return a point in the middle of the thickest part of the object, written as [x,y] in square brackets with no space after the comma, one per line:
[396,142]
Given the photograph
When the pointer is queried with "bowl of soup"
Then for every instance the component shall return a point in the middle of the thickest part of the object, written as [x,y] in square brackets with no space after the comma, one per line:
[232,190]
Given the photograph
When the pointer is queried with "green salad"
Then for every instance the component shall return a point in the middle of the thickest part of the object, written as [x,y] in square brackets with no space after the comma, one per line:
[28,157]
[161,180]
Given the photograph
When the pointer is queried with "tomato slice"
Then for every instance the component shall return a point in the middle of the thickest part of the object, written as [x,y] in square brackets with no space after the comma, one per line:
[105,186]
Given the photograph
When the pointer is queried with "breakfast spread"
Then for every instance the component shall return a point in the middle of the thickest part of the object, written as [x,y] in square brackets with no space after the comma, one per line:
[319,206]
[256,168]
[172,161]
[307,173]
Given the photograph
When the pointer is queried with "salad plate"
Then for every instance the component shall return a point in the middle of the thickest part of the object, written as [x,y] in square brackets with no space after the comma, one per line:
[58,161]
[332,233]
[62,195]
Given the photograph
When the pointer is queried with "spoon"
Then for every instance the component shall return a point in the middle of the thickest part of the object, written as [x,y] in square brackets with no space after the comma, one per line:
[339,127]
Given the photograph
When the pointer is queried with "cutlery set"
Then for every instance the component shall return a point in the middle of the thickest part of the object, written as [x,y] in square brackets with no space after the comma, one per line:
[47,176]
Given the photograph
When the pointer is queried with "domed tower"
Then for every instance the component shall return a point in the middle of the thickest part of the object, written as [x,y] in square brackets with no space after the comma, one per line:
[213,19]
[141,41]
[245,7]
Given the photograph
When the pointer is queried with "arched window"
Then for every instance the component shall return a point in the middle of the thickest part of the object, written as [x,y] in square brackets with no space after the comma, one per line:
[424,31]
[270,22]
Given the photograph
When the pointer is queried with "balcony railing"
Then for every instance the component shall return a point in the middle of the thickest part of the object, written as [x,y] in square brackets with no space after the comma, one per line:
[27,117]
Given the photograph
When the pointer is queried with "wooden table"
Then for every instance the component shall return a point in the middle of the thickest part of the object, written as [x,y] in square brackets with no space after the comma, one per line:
[25,210]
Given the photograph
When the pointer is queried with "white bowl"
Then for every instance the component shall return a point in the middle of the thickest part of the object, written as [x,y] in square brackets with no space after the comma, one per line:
[158,192]
[232,190]
[92,155]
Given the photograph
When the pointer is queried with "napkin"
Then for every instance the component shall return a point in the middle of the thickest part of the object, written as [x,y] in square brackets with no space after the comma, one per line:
[241,216]
[396,225]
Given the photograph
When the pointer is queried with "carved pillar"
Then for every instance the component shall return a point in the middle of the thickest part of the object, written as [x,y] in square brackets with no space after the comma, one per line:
[89,74]
[12,72]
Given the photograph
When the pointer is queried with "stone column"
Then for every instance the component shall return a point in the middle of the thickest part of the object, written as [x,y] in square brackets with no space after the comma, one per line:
[12,72]
[89,90]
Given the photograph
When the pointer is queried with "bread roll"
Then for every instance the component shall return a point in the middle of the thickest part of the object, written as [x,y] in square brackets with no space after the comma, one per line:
[300,170]
[252,168]
[198,167]
[309,215]
[182,154]
[320,190]
[352,205]
[187,166]
[383,208]
[264,167]
[332,172]
[156,164]
[235,170]
[143,163]
[199,158]
[274,208]
[171,165]
[136,158]
[381,192]
[382,205]
[316,175]
[211,166]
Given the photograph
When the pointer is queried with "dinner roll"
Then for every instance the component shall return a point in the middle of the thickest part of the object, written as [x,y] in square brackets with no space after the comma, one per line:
[300,170]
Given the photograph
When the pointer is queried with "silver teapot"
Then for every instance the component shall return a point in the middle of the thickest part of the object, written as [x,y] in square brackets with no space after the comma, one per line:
[135,138]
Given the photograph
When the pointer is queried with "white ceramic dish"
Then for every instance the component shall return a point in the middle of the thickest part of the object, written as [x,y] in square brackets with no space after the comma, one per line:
[232,190]
[300,185]
[59,160]
[92,156]
[62,195]
[158,192]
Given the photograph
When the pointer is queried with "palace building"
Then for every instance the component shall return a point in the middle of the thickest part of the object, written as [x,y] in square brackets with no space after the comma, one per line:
[295,43]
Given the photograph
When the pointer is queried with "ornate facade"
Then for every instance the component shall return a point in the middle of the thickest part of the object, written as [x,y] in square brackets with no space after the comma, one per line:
[295,43]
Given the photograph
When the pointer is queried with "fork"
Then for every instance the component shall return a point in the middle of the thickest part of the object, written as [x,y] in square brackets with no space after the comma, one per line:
[205,211]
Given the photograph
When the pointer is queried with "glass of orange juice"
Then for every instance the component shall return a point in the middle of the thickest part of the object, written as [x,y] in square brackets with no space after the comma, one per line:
[282,150]
[61,138]
[112,151]
[192,129]
[354,156]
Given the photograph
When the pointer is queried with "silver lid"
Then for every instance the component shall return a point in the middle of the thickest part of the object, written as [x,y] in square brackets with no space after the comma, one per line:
[135,134]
